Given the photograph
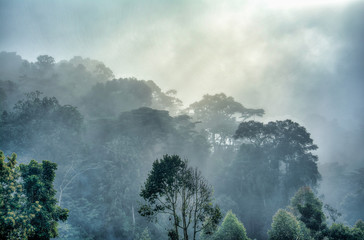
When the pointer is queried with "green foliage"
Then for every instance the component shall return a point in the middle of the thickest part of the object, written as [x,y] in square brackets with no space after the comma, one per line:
[166,177]
[27,200]
[182,193]
[308,209]
[339,231]
[359,224]
[231,228]
[305,232]
[38,187]
[14,216]
[284,226]
[358,230]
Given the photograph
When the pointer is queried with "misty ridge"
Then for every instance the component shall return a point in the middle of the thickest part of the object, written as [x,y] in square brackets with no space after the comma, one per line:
[254,179]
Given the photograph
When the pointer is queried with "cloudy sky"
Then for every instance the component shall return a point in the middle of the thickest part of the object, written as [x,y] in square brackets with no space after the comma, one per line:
[296,59]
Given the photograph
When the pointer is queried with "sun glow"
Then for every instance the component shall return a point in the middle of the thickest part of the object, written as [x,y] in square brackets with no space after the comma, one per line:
[303,4]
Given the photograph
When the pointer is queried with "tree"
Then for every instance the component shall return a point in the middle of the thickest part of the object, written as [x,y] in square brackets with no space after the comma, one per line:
[14,217]
[27,200]
[109,99]
[97,68]
[332,212]
[359,224]
[45,62]
[204,215]
[165,100]
[308,209]
[287,149]
[284,226]
[127,146]
[273,162]
[231,228]
[180,192]
[218,114]
[36,123]
[339,231]
[358,230]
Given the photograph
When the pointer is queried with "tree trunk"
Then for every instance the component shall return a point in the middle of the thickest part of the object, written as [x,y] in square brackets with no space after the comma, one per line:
[196,206]
[175,217]
[185,233]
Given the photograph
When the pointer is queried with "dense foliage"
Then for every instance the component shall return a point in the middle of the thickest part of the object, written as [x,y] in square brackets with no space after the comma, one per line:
[305,220]
[104,133]
[28,207]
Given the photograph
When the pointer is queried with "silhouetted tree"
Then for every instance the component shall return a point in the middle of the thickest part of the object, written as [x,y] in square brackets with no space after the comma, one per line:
[273,162]
[175,189]
[219,114]
[165,100]
[109,99]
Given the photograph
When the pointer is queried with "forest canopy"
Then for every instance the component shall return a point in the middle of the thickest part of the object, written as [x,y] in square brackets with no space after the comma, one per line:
[103,136]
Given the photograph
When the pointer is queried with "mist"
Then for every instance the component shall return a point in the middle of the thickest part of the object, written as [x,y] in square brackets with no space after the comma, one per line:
[298,61]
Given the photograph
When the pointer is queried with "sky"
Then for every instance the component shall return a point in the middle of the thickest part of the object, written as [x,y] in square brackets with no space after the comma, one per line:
[302,60]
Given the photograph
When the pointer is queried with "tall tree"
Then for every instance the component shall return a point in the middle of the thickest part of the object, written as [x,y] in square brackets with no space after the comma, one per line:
[219,114]
[287,150]
[180,192]
[273,162]
[165,100]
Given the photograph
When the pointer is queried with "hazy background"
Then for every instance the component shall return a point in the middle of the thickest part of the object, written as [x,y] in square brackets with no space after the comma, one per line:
[303,61]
